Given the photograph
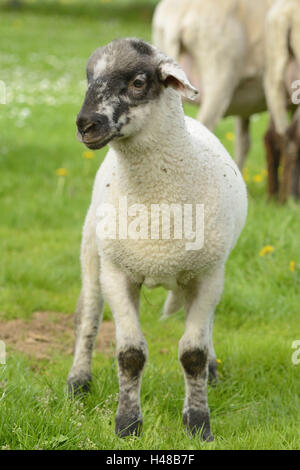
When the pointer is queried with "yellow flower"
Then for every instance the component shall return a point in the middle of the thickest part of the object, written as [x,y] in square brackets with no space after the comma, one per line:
[61,172]
[230,136]
[292,266]
[266,250]
[258,178]
[17,24]
[88,155]
[219,361]
[246,174]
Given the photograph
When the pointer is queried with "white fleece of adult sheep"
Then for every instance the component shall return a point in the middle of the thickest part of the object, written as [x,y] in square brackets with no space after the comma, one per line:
[175,159]
[220,45]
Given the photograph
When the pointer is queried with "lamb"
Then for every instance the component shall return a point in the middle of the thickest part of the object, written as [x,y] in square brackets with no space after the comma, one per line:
[220,45]
[157,157]
[282,71]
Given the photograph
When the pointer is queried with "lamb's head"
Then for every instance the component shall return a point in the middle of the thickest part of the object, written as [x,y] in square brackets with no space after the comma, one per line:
[126,79]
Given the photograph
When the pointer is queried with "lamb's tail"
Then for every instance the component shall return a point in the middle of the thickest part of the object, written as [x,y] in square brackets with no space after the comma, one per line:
[173,303]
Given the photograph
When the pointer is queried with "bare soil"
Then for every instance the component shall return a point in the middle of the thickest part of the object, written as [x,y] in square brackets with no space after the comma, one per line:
[48,333]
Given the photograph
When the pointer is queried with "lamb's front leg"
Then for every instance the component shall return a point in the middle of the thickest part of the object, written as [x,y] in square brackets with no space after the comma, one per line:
[194,350]
[88,312]
[122,296]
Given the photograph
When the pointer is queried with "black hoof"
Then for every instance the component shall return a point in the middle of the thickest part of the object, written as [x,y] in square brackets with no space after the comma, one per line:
[197,423]
[128,426]
[79,386]
[212,372]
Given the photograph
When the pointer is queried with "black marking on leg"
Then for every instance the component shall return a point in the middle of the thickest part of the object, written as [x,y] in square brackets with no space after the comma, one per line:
[194,361]
[128,425]
[197,422]
[131,362]
[79,386]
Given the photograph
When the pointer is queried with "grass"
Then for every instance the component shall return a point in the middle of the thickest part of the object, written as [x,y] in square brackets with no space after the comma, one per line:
[43,52]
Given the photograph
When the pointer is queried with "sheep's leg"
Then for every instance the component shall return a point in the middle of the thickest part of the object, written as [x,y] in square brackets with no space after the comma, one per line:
[122,296]
[218,91]
[88,313]
[242,144]
[290,175]
[289,158]
[173,304]
[220,74]
[296,177]
[273,152]
[194,349]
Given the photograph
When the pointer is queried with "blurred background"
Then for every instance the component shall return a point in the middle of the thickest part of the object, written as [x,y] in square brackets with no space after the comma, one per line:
[44,47]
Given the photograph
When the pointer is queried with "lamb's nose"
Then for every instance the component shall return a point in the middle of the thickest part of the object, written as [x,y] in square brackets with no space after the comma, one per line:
[83,124]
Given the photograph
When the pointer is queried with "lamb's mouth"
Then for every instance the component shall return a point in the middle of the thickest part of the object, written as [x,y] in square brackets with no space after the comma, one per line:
[97,144]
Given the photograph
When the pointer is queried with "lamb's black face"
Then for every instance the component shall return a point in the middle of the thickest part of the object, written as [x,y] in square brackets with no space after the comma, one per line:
[123,78]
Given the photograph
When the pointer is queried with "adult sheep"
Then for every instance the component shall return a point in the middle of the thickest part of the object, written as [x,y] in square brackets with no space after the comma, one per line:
[220,45]
[157,156]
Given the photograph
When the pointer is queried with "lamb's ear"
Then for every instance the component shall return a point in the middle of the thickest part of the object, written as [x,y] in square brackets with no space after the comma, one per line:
[172,75]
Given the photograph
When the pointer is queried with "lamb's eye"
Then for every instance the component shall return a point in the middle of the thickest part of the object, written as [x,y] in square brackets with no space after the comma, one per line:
[138,83]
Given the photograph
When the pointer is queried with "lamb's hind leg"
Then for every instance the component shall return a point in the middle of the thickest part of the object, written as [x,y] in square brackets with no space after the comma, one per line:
[88,313]
[194,348]
[122,296]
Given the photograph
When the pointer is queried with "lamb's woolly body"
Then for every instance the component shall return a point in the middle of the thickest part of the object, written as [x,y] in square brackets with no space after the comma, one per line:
[184,164]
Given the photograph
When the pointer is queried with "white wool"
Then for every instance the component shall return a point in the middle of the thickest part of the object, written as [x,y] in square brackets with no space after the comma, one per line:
[173,160]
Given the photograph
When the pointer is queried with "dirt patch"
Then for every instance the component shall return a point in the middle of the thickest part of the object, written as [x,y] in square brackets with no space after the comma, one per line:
[48,333]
